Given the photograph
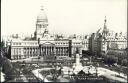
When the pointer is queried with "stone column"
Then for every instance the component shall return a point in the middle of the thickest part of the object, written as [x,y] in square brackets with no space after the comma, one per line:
[54,51]
[59,51]
[28,52]
[63,51]
[50,51]
[46,50]
[32,52]
[42,51]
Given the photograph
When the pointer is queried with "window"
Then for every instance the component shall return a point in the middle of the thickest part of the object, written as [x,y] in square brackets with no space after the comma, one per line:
[19,57]
[19,43]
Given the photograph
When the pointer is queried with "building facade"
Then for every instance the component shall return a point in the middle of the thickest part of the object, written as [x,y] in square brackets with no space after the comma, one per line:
[105,40]
[42,44]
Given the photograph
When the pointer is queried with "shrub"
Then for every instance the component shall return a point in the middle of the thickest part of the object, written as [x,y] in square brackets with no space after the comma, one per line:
[124,62]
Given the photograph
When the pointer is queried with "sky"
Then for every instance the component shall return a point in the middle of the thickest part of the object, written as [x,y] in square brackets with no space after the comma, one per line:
[64,16]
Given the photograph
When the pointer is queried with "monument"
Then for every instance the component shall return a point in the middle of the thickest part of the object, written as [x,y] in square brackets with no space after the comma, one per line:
[77,66]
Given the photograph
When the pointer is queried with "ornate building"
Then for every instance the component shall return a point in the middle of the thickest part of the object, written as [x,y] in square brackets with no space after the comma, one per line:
[105,40]
[42,44]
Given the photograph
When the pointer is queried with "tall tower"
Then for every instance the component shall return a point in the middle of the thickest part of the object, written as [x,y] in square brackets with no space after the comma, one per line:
[41,24]
[104,43]
[105,30]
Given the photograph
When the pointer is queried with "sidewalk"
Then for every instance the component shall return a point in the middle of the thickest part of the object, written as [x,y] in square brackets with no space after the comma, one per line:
[39,75]
[111,74]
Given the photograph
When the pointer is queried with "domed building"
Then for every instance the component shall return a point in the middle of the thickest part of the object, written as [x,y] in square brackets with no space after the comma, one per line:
[41,25]
[42,17]
[42,44]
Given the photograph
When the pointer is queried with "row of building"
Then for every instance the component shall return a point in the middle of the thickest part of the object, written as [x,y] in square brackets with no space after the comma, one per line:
[104,41]
[43,44]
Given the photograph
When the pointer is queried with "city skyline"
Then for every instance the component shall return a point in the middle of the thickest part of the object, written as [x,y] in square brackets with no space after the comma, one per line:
[66,17]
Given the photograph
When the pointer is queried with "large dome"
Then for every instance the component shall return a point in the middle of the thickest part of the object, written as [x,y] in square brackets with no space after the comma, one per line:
[42,16]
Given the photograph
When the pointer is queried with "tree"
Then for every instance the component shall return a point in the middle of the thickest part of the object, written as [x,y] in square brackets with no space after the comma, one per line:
[124,62]
[2,44]
[8,69]
[110,59]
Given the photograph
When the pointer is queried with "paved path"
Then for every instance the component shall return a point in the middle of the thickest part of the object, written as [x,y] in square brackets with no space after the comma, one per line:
[107,73]
[111,74]
[39,75]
